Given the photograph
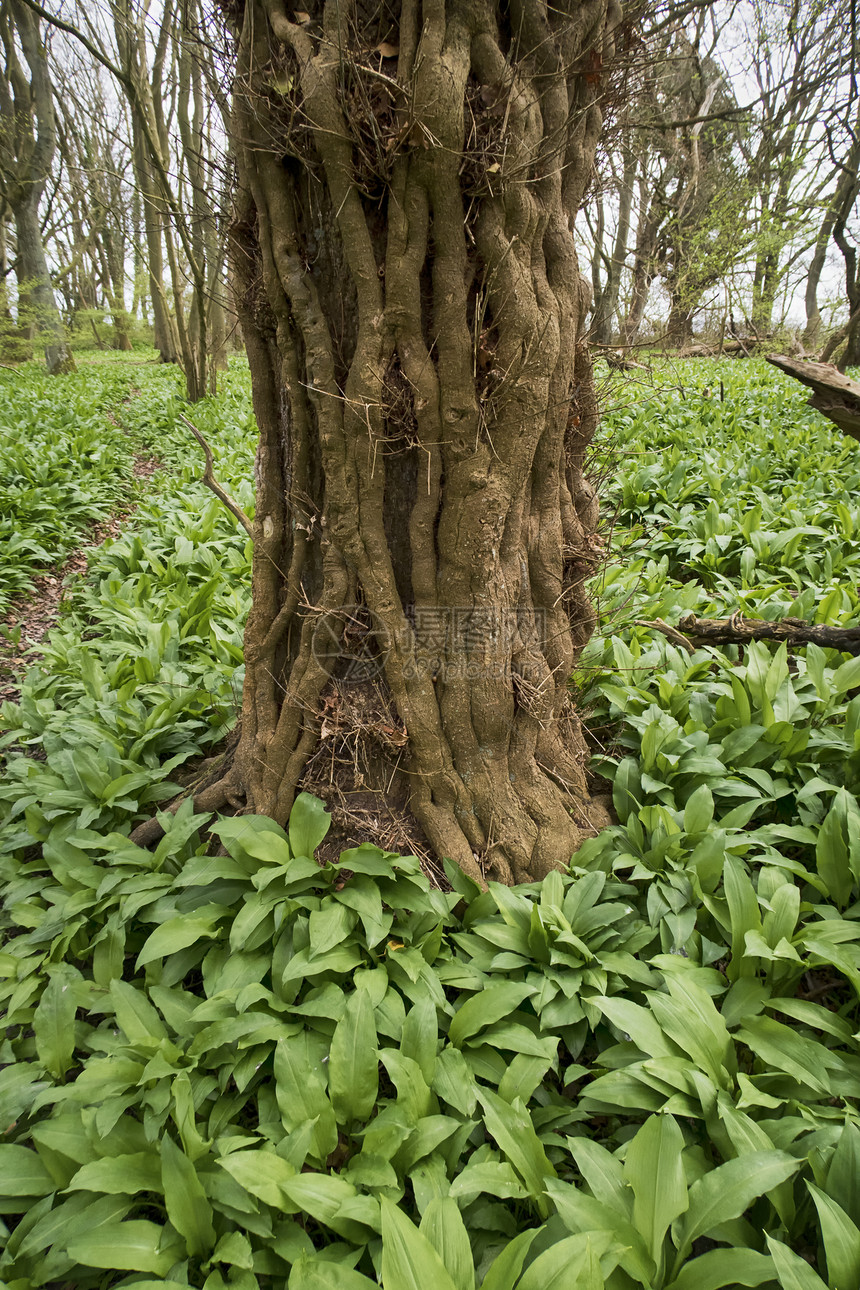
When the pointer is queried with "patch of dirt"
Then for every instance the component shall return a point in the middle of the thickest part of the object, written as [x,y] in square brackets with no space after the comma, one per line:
[36,614]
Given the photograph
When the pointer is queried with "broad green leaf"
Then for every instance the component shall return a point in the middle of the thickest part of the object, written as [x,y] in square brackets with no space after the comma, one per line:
[178,933]
[846,676]
[308,824]
[699,810]
[841,1240]
[314,1273]
[783,1049]
[492,1177]
[725,1192]
[329,926]
[603,1173]
[54,1023]
[409,1261]
[843,1175]
[326,1197]
[443,1226]
[794,1272]
[719,1269]
[639,1023]
[354,1062]
[506,1267]
[655,1172]
[119,1175]
[420,1036]
[22,1173]
[568,1263]
[513,1130]
[260,1172]
[454,1082]
[301,1094]
[135,1015]
[689,1017]
[481,1010]
[133,1246]
[185,1200]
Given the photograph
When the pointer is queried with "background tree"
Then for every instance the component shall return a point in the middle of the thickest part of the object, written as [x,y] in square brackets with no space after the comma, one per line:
[27,148]
[414,318]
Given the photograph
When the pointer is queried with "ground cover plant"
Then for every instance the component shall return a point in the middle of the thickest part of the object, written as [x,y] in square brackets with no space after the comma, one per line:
[247,1069]
[63,465]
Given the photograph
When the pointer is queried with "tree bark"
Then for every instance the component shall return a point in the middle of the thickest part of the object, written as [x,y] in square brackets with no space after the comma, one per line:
[414,318]
[27,146]
[835,395]
[738,630]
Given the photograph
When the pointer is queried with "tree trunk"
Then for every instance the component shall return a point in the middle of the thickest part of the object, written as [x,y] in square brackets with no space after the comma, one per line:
[413,314]
[679,327]
[44,316]
[606,307]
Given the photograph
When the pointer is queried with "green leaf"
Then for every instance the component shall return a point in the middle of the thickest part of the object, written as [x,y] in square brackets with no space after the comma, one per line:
[313,1273]
[493,1177]
[409,1261]
[260,1172]
[794,1272]
[512,1128]
[185,1200]
[744,915]
[22,1173]
[308,824]
[178,933]
[725,1192]
[654,1170]
[846,676]
[719,1269]
[572,1261]
[133,1246]
[135,1015]
[506,1267]
[443,1226]
[420,1036]
[841,1240]
[54,1023]
[783,1049]
[603,1173]
[843,1175]
[493,1003]
[300,1089]
[354,1062]
[119,1175]
[699,810]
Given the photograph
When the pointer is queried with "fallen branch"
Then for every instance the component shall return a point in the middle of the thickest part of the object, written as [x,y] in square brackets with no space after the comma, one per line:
[671,633]
[738,630]
[208,478]
[834,395]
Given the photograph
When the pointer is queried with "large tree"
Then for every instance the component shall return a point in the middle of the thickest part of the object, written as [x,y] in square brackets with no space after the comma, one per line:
[414,314]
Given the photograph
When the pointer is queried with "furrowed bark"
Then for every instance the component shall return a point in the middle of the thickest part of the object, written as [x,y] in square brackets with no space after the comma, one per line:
[414,316]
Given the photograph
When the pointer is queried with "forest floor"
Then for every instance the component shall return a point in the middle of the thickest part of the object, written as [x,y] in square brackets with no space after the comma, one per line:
[241,1069]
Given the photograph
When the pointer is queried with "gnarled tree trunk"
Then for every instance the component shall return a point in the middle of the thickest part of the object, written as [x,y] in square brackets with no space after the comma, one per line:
[414,314]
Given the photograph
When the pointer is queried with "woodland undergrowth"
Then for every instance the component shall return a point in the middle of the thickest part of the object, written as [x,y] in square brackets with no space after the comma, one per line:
[249,1070]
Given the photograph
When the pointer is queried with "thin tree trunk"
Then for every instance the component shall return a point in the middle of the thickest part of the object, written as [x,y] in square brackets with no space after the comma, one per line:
[605,311]
[42,307]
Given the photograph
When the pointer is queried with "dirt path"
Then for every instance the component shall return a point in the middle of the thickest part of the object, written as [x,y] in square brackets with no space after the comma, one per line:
[37,613]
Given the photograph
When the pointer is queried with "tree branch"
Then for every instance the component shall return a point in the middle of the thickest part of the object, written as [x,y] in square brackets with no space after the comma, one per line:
[208,478]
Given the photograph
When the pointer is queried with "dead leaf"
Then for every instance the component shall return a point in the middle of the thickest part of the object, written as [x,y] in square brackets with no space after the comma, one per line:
[302,17]
[386,50]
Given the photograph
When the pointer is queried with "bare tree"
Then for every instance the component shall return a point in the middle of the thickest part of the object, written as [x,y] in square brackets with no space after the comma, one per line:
[27,147]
